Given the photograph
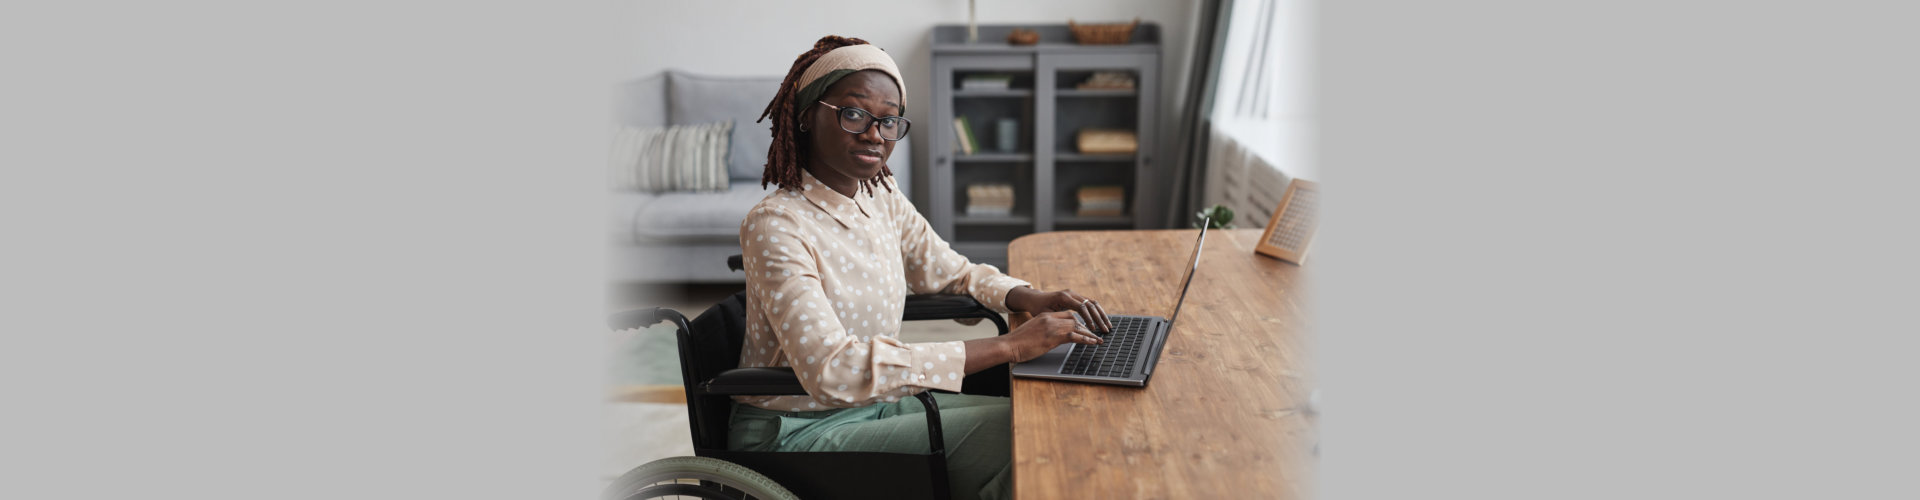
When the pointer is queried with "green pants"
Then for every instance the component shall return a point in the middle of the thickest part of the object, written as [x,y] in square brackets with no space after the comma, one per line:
[977,429]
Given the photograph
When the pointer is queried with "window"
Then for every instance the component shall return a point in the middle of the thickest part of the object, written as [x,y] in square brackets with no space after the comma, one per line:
[1261,101]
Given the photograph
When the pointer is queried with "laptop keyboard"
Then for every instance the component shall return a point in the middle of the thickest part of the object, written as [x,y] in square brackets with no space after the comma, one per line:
[1113,358]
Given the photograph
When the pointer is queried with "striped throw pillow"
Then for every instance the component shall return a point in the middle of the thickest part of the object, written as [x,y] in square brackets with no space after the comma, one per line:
[675,158]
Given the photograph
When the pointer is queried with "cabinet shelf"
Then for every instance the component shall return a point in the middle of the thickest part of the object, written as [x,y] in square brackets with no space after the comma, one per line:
[993,220]
[1104,220]
[993,157]
[1063,156]
[993,93]
[1096,93]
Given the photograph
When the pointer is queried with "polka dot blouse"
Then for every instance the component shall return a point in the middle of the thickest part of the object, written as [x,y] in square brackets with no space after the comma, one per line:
[826,275]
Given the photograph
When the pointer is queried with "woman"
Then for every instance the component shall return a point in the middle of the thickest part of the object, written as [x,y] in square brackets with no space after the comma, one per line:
[829,258]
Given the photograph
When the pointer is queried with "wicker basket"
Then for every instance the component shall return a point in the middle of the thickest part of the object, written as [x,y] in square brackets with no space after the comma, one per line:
[1103,34]
[1023,36]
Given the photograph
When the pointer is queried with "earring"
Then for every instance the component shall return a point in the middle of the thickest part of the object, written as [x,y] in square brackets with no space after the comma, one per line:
[803,126]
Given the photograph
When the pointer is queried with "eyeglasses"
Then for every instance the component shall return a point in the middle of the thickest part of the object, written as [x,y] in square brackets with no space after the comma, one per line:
[857,121]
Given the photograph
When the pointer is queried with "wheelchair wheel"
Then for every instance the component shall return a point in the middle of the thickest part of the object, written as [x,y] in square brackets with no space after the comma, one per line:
[695,477]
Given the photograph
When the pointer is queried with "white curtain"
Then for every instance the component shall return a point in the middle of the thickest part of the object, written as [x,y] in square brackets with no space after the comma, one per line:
[1261,114]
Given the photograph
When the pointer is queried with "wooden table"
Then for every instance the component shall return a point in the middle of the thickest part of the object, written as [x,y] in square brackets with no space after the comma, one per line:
[1224,414]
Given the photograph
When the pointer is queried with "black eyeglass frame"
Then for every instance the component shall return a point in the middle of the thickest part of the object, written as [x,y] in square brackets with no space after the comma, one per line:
[905,124]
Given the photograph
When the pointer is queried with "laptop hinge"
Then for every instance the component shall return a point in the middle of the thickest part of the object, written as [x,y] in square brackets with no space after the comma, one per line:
[1159,341]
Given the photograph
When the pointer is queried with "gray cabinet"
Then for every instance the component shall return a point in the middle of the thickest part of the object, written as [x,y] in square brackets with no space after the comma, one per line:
[1044,107]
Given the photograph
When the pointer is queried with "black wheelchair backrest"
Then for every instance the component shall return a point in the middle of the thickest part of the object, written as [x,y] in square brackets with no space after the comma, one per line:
[711,345]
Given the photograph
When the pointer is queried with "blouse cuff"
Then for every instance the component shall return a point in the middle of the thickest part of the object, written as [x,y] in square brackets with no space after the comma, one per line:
[995,292]
[938,365]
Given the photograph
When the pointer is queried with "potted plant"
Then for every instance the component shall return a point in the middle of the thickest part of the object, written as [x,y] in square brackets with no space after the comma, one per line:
[1217,217]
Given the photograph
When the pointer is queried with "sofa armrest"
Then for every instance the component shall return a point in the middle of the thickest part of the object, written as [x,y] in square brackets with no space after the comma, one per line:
[642,318]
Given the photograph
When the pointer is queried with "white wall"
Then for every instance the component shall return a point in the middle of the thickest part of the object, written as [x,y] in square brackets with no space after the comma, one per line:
[762,37]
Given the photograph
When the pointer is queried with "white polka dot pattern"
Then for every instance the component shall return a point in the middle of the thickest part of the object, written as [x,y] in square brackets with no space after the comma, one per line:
[825,275]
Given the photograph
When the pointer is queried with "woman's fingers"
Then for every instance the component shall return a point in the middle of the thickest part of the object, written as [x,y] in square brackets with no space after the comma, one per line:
[1085,308]
[1080,335]
[1082,322]
[1066,328]
[1100,315]
[1096,317]
[1077,332]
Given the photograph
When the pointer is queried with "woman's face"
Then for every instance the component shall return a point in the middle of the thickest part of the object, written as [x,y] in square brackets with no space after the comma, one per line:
[838,156]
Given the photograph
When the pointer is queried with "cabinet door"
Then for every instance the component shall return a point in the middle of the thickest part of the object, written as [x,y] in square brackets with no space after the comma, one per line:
[965,86]
[1088,93]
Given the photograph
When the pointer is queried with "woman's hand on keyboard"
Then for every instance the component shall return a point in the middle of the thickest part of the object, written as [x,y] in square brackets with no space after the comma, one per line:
[1047,331]
[1033,338]
[1025,299]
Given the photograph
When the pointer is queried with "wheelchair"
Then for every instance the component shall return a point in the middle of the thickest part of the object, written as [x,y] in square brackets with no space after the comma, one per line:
[709,348]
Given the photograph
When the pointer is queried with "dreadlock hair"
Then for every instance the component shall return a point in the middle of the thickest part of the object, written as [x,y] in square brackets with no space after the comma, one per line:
[788,154]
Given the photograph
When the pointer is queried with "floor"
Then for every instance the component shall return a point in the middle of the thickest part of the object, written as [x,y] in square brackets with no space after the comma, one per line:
[637,433]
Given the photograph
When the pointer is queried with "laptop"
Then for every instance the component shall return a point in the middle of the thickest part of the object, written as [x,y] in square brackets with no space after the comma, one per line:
[1131,349]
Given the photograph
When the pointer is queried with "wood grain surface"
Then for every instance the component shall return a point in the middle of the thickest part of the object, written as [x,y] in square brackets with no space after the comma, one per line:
[1223,416]
[647,393]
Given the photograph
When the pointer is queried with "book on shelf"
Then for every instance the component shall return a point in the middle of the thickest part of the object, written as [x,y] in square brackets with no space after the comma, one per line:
[1107,80]
[990,200]
[1106,141]
[964,140]
[986,82]
[1101,201]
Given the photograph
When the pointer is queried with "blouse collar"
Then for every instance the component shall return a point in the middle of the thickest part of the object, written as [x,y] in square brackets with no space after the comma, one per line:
[843,209]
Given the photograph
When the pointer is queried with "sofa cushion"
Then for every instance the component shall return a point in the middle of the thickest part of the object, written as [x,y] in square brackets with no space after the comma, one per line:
[675,158]
[693,99]
[621,208]
[697,216]
[641,103]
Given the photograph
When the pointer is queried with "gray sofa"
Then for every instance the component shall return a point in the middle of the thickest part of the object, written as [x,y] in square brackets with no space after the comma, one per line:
[686,237]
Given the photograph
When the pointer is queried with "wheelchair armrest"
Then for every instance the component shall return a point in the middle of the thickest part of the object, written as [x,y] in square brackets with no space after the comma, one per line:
[942,306]
[756,382]
[949,306]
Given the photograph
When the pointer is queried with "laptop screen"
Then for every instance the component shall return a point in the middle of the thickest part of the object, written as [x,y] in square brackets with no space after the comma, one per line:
[1192,265]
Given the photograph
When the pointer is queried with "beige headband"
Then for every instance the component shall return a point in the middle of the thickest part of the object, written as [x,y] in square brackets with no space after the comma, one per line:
[852,58]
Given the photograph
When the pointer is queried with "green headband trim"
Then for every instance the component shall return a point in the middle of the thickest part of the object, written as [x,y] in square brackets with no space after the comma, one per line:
[813,91]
